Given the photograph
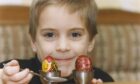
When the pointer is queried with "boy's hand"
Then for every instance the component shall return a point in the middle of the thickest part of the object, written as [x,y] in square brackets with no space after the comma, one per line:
[12,74]
[97,81]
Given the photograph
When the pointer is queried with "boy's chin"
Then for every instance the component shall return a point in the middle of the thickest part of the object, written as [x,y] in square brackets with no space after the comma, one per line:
[66,70]
[66,63]
[66,73]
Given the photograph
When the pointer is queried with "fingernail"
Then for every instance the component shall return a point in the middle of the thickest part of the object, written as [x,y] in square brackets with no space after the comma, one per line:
[100,80]
[94,80]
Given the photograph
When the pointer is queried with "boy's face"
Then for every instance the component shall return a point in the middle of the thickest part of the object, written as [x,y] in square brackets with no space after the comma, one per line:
[61,35]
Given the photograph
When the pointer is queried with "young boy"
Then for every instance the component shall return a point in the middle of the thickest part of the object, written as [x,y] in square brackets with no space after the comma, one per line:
[63,29]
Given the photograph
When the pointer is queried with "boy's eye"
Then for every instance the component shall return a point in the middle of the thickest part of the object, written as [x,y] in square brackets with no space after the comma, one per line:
[49,36]
[75,35]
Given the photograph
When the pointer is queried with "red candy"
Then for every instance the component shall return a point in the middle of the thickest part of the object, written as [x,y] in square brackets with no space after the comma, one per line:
[83,63]
[49,58]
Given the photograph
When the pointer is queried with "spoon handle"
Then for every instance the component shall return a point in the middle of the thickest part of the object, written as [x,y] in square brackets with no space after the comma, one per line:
[53,79]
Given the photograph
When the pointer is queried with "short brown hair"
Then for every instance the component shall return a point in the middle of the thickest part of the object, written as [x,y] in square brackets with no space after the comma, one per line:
[86,9]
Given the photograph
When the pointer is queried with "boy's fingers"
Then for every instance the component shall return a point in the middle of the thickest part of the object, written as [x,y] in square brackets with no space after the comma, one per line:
[20,75]
[11,68]
[26,80]
[12,63]
[94,81]
[97,81]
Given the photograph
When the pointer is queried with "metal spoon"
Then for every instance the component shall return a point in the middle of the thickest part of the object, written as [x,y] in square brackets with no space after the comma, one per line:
[52,79]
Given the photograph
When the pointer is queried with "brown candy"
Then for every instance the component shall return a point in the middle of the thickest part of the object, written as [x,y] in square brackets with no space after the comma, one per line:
[83,63]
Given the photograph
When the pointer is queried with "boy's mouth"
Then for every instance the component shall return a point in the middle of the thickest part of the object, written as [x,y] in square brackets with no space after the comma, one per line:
[64,59]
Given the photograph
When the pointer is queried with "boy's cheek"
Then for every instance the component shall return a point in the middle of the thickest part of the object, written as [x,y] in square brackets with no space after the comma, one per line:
[80,49]
[44,51]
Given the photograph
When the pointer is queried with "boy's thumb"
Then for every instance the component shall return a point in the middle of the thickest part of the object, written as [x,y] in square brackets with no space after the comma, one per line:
[11,68]
[12,63]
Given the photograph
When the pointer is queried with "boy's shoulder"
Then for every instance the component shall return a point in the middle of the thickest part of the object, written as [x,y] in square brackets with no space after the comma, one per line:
[98,73]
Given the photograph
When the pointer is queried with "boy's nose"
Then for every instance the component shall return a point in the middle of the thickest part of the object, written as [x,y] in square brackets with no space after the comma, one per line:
[63,45]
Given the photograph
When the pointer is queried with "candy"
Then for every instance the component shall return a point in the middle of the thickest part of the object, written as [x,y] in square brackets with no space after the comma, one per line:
[83,63]
[49,64]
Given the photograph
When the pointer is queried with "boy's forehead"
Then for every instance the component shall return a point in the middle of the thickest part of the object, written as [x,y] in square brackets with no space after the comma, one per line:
[55,15]
[54,8]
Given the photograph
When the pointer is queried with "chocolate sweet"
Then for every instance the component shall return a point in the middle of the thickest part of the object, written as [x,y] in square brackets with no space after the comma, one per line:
[83,63]
[49,64]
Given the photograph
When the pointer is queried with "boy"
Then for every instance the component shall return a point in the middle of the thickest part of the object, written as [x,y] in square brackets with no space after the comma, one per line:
[63,29]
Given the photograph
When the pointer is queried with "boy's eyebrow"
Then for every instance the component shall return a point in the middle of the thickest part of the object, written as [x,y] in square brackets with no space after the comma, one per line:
[71,29]
[46,29]
[82,29]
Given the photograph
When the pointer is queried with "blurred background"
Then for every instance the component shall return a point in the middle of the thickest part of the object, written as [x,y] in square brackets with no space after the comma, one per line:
[130,5]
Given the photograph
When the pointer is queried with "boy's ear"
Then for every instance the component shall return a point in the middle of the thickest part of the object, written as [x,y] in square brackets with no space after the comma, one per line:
[33,45]
[91,44]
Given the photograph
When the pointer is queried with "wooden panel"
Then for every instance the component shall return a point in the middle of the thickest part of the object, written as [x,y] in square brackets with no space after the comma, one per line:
[20,14]
[125,82]
[14,15]
[117,17]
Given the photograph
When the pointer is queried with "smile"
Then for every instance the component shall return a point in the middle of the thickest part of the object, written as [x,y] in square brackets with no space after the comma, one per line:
[64,59]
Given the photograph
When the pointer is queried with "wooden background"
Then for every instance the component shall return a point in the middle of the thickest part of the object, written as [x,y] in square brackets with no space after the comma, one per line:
[20,14]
